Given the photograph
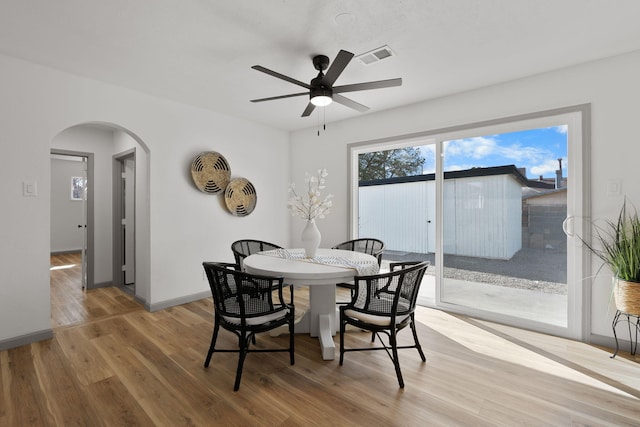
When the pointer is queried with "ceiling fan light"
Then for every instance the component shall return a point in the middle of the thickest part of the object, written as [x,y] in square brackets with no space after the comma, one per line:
[321,96]
[321,100]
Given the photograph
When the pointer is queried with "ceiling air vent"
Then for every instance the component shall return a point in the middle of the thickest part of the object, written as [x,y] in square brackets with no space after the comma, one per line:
[375,55]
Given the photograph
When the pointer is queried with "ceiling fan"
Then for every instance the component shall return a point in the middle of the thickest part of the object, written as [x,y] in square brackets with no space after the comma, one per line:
[321,91]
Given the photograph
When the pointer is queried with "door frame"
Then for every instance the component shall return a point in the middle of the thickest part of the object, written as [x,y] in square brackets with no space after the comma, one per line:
[117,206]
[90,248]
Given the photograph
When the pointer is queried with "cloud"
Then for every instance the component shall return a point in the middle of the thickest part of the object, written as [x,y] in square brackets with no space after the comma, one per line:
[563,129]
[521,154]
[549,167]
[482,147]
[475,148]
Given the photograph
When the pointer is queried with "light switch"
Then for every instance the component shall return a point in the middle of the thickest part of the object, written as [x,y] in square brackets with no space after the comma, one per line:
[29,188]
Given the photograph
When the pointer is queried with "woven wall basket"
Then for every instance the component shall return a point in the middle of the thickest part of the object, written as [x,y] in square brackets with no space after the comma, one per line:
[240,197]
[210,172]
[627,297]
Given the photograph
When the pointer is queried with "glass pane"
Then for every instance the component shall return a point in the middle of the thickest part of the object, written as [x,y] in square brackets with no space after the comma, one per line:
[504,201]
[397,205]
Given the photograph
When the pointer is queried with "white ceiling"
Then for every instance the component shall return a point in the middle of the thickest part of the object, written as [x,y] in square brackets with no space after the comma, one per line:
[199,52]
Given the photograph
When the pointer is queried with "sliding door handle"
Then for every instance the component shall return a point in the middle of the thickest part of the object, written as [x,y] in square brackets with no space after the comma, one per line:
[567,226]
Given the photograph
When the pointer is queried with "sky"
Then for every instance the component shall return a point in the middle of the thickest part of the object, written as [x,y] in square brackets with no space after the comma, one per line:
[537,150]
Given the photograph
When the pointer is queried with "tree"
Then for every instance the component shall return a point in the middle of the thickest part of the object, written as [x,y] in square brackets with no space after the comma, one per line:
[390,163]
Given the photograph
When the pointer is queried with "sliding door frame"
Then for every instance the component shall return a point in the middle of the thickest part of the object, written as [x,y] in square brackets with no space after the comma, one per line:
[578,204]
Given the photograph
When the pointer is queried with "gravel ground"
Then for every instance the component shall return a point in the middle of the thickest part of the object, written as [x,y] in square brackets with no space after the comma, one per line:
[532,269]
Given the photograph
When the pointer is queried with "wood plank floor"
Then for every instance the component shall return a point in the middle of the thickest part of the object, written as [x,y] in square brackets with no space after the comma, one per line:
[70,304]
[114,364]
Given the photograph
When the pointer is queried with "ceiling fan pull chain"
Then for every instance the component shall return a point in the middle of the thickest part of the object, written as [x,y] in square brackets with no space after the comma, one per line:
[324,119]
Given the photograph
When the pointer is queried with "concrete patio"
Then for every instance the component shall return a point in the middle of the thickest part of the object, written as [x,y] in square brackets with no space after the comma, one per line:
[531,285]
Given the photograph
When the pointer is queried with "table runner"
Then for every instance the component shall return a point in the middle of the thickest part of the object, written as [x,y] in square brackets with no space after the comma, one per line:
[363,268]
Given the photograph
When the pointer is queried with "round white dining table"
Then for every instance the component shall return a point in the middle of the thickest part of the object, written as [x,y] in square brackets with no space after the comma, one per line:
[320,320]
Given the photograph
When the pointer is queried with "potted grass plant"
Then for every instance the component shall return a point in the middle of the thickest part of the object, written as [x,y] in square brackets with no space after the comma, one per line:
[618,247]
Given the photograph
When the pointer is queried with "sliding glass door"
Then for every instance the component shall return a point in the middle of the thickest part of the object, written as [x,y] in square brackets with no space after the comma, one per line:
[487,208]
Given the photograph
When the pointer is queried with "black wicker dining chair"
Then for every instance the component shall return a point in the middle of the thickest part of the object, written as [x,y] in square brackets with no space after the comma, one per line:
[370,246]
[385,304]
[247,304]
[245,247]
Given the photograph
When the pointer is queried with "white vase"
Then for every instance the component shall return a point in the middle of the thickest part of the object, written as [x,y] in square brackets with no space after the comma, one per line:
[311,238]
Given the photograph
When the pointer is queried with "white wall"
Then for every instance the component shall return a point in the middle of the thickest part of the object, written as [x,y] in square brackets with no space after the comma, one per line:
[611,86]
[186,226]
[66,214]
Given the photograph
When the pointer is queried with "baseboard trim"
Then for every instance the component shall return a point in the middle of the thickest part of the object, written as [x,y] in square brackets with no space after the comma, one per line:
[26,339]
[141,301]
[610,342]
[177,301]
[67,251]
[100,285]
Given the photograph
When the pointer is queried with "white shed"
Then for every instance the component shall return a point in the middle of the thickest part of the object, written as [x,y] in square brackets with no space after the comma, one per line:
[482,212]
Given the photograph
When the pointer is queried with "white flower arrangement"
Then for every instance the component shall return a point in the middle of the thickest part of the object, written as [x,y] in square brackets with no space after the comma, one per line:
[311,206]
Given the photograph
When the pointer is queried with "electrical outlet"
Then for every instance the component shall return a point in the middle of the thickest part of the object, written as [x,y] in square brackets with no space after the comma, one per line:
[614,187]
[29,188]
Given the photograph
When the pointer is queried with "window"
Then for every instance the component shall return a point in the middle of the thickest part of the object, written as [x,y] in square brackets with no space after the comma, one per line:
[78,187]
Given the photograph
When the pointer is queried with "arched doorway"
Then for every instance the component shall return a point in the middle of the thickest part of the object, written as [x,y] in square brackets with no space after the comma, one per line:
[108,145]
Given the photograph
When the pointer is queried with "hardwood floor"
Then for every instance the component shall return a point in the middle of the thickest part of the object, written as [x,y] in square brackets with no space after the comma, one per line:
[115,364]
[70,304]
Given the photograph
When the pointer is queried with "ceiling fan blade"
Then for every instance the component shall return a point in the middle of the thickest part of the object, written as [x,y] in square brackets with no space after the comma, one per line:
[368,85]
[307,111]
[337,67]
[280,76]
[349,103]
[280,97]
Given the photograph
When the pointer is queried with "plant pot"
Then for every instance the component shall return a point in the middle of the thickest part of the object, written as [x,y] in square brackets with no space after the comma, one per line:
[627,296]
